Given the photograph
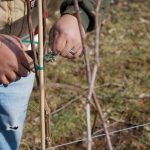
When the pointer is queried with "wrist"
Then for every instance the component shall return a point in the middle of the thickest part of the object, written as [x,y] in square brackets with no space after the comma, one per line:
[71,11]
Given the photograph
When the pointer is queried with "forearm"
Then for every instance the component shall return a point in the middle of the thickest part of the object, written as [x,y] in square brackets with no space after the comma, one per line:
[87,8]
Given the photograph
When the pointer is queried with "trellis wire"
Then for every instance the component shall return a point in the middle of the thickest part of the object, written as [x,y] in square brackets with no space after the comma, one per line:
[100,135]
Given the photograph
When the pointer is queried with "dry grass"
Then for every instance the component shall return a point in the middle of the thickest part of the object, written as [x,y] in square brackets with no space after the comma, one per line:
[123,84]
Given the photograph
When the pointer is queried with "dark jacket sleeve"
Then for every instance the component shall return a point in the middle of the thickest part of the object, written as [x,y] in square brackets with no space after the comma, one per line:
[86,8]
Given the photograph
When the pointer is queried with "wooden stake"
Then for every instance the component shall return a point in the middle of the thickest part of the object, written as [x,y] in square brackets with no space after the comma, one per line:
[41,63]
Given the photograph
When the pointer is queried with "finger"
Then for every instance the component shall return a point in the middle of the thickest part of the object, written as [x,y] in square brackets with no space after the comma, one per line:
[76,50]
[79,51]
[66,51]
[12,76]
[4,80]
[59,42]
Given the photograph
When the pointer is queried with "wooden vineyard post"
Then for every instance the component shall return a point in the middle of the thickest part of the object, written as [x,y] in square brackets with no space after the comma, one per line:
[41,66]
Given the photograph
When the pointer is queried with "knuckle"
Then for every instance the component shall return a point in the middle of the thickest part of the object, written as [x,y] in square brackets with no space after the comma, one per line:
[64,35]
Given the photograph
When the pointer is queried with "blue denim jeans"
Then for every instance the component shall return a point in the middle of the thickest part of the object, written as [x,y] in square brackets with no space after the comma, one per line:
[13,107]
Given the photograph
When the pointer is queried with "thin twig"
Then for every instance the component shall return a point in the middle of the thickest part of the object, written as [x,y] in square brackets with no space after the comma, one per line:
[101,130]
[100,135]
[30,27]
[66,86]
[66,105]
[94,122]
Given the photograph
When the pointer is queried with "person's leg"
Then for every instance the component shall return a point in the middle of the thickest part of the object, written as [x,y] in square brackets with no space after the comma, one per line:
[13,106]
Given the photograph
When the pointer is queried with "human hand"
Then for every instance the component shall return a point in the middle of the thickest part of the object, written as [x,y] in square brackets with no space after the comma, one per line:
[14,62]
[65,37]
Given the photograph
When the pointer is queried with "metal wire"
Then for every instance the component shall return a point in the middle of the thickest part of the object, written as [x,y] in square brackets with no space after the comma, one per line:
[100,135]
